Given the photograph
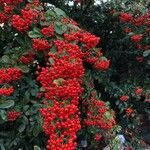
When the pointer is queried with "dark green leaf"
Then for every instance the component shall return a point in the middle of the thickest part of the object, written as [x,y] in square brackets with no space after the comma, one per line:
[37,147]
[35,33]
[23,68]
[146,53]
[21,128]
[51,60]
[7,104]
[3,114]
[6,59]
[60,28]
[36,131]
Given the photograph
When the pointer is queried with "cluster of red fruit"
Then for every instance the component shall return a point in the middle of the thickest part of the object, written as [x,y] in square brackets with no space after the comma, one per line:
[136,21]
[22,23]
[40,44]
[6,91]
[62,85]
[124,98]
[86,38]
[48,31]
[7,9]
[89,41]
[13,115]
[28,58]
[98,114]
[9,74]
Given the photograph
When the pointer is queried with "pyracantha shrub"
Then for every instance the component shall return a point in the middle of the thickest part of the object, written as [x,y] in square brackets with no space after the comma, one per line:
[123,26]
[42,79]
[124,30]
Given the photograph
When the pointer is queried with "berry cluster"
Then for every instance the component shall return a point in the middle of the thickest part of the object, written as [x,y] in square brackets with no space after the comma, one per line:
[136,38]
[10,74]
[62,84]
[6,91]
[124,98]
[102,64]
[3,18]
[13,115]
[19,23]
[125,17]
[40,44]
[129,111]
[98,137]
[86,38]
[48,31]
[138,91]
[98,114]
[26,59]
[137,21]
[7,9]
[28,16]
[12,2]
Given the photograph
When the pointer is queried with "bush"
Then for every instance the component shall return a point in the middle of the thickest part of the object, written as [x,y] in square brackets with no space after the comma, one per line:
[124,30]
[57,88]
[44,81]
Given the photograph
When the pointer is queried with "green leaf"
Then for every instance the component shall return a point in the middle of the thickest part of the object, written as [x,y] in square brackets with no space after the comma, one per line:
[146,53]
[58,81]
[60,28]
[7,104]
[23,68]
[73,26]
[6,59]
[103,58]
[3,114]
[40,8]
[36,131]
[49,14]
[30,1]
[117,102]
[42,89]
[33,92]
[21,128]
[2,145]
[1,9]
[59,12]
[116,15]
[25,108]
[37,147]
[51,61]
[35,33]
[25,120]
[53,49]
[37,30]
[108,115]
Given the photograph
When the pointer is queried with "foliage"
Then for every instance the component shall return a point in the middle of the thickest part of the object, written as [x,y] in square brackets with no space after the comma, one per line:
[124,30]
[53,76]
[129,70]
